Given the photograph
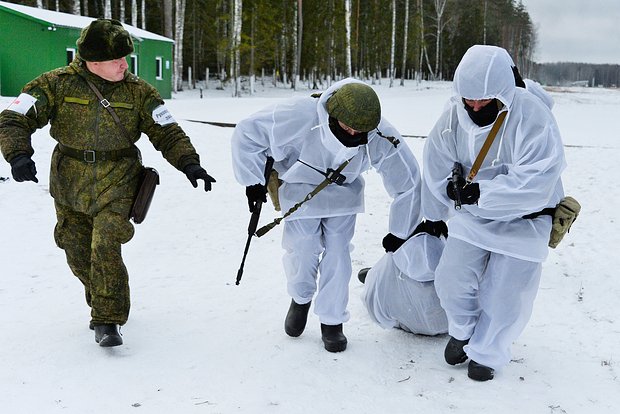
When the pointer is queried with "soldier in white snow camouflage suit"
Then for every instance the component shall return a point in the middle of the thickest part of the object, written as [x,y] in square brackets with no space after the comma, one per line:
[307,137]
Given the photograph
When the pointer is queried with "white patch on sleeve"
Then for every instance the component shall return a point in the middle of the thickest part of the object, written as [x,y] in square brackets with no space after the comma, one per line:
[162,117]
[22,103]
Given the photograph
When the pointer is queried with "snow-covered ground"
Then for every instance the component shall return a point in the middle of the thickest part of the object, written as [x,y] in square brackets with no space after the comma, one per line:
[196,343]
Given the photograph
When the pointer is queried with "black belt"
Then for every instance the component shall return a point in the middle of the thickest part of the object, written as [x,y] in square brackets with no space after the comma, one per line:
[91,156]
[549,211]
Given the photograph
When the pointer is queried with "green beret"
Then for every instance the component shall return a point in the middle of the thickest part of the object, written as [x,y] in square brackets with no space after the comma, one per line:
[356,105]
[104,39]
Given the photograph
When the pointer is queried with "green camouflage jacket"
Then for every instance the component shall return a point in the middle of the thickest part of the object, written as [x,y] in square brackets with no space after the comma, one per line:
[79,121]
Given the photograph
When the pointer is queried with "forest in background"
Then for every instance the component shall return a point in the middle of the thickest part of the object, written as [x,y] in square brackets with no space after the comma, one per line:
[317,41]
[577,74]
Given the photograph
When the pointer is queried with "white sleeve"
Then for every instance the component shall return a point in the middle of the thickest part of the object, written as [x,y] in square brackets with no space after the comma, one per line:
[273,132]
[400,173]
[439,157]
[250,145]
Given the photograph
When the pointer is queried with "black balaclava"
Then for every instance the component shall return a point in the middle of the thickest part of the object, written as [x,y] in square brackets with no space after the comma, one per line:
[346,139]
[486,115]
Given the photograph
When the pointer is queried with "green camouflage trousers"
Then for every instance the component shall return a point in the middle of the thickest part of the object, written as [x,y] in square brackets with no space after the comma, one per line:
[93,248]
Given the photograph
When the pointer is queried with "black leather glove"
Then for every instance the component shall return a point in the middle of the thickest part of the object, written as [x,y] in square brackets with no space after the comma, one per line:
[195,172]
[434,228]
[470,193]
[391,243]
[255,193]
[23,169]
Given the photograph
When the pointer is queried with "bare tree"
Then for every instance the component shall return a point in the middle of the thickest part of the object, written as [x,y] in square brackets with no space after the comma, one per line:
[236,42]
[223,41]
[168,14]
[393,43]
[107,9]
[143,14]
[179,30]
[297,35]
[284,37]
[347,20]
[440,6]
[423,50]
[406,32]
[75,7]
[121,10]
[134,13]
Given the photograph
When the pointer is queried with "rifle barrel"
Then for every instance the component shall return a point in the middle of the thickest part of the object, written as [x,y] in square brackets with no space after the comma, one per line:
[254,221]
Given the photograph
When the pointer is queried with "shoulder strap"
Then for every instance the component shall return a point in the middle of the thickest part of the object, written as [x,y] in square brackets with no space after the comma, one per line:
[106,104]
[327,181]
[486,146]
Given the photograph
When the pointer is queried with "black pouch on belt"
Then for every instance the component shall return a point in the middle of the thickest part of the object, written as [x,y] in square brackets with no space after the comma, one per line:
[142,202]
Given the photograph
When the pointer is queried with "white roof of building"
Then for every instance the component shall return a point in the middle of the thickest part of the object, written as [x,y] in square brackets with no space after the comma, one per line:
[75,21]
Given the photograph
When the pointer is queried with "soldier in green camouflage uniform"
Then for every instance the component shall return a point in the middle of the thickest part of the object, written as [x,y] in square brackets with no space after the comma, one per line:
[95,170]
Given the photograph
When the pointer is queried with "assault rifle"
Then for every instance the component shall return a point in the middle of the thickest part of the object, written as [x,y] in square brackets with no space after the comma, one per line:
[457,176]
[254,221]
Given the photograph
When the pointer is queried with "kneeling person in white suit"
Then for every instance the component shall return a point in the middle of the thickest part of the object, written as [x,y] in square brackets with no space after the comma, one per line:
[399,290]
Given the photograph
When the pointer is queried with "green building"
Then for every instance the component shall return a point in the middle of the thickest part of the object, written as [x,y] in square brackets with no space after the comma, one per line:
[33,41]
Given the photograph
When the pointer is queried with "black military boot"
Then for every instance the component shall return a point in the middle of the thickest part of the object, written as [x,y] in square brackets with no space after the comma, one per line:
[296,319]
[361,275]
[333,338]
[479,372]
[107,335]
[454,353]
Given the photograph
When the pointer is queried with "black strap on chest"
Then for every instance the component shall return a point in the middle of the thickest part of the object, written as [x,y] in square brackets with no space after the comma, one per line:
[327,181]
[332,175]
[106,104]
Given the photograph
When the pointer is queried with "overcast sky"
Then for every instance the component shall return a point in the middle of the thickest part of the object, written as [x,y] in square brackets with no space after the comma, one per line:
[576,30]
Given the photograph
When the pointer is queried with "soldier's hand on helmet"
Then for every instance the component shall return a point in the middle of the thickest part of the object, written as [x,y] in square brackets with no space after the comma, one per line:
[470,192]
[391,243]
[195,172]
[255,193]
[23,169]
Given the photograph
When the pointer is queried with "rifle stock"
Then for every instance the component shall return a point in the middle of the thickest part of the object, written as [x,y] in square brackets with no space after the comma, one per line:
[253,222]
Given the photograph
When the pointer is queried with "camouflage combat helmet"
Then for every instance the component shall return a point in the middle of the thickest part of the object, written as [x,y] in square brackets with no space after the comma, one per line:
[104,39]
[356,105]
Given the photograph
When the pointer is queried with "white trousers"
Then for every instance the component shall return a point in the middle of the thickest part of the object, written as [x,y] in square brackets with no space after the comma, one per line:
[320,247]
[488,298]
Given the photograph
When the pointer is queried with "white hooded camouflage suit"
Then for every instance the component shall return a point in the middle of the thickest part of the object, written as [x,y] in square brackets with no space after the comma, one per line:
[317,237]
[489,273]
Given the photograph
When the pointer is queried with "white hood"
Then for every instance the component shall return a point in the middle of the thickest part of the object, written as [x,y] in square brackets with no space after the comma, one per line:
[485,72]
